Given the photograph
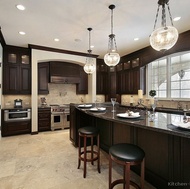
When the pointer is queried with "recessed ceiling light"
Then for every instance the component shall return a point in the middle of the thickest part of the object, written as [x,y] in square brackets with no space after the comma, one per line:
[20,7]
[22,33]
[136,39]
[177,18]
[92,46]
[56,39]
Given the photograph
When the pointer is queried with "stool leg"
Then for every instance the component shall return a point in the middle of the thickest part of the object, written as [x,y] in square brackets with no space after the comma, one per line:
[79,153]
[110,171]
[84,175]
[98,145]
[127,177]
[142,173]
[124,175]
[92,149]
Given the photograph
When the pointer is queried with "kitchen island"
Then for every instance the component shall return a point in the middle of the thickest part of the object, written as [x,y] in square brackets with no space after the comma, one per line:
[167,147]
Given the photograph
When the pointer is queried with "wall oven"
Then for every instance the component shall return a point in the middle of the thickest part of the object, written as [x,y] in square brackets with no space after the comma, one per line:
[17,114]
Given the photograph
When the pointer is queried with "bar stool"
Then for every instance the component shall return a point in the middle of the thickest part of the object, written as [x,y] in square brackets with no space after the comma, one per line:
[85,133]
[126,155]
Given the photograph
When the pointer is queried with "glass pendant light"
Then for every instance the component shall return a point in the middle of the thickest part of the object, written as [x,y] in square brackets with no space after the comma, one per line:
[165,37]
[89,66]
[112,58]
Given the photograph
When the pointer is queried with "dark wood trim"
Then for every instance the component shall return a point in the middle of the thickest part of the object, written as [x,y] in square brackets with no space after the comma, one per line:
[60,50]
[34,133]
[2,40]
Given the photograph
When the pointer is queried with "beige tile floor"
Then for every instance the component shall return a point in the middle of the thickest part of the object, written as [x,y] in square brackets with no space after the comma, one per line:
[49,161]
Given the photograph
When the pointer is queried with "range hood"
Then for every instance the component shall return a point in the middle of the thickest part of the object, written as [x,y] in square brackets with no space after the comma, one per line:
[64,80]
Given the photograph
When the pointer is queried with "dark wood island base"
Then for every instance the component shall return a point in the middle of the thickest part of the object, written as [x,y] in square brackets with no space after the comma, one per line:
[167,150]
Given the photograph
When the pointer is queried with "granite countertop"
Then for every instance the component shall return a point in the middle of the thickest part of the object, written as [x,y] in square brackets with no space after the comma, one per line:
[162,122]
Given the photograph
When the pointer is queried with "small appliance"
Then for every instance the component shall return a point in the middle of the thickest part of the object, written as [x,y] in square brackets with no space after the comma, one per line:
[17,103]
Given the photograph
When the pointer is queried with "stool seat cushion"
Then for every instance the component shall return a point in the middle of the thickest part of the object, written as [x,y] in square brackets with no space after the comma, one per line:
[127,152]
[89,130]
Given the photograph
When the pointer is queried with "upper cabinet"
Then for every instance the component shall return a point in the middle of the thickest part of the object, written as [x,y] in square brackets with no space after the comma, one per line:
[62,73]
[82,86]
[16,70]
[130,77]
[43,78]
[127,77]
[101,77]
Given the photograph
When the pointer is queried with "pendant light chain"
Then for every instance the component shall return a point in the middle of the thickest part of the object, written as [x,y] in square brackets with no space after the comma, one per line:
[89,39]
[111,21]
[156,17]
[170,14]
[163,16]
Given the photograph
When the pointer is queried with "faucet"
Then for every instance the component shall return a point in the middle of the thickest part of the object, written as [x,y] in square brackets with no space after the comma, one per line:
[179,107]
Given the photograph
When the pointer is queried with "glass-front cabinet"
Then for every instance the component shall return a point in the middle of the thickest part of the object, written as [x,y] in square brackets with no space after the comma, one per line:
[16,70]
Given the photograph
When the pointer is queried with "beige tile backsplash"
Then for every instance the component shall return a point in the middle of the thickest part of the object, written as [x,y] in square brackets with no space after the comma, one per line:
[125,100]
[62,94]
[66,93]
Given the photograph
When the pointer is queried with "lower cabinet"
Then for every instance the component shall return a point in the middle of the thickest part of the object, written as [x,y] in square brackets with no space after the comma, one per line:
[167,156]
[44,119]
[15,128]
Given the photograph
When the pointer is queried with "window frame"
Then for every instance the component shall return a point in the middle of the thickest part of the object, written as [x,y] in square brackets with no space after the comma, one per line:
[168,78]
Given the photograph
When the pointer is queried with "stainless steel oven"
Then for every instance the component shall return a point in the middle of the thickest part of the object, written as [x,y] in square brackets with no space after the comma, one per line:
[57,120]
[17,114]
[60,116]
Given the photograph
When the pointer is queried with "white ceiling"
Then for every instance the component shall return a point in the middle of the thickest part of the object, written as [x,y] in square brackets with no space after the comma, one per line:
[68,20]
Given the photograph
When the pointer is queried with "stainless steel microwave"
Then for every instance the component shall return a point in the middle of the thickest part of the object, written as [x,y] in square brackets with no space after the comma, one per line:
[17,114]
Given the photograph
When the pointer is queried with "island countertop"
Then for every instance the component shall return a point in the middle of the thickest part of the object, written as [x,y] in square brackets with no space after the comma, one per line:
[161,123]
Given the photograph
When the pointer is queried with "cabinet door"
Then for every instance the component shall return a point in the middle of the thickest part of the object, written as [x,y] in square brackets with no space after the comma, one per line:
[43,78]
[63,69]
[11,79]
[44,119]
[25,80]
[101,82]
[135,81]
[82,87]
[101,77]
[16,70]
[127,88]
[111,84]
[15,128]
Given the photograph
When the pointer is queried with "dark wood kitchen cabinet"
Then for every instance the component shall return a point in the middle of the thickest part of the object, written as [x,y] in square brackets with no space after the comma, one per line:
[130,77]
[9,128]
[64,69]
[82,86]
[101,77]
[44,119]
[43,78]
[61,73]
[16,70]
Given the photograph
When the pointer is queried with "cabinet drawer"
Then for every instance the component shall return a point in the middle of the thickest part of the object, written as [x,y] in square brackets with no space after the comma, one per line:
[44,115]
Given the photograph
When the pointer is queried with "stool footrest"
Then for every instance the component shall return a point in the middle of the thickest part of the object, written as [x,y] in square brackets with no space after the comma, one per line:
[122,181]
[91,159]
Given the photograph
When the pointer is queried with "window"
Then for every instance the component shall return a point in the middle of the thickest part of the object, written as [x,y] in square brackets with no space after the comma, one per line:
[170,76]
